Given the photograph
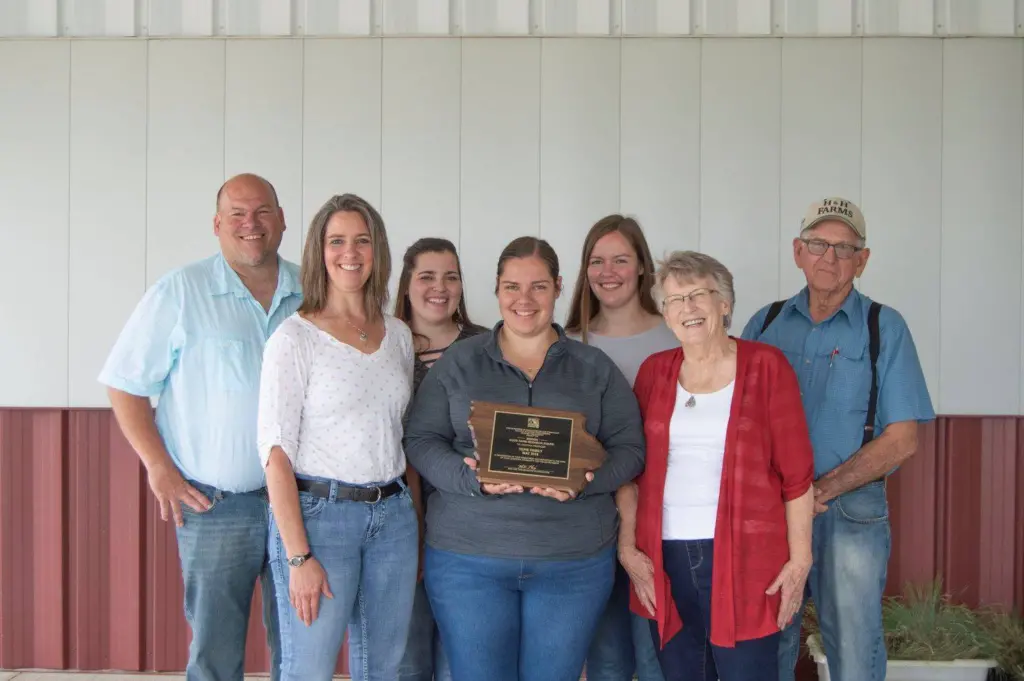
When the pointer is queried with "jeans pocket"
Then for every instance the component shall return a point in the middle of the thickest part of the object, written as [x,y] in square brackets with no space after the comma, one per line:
[865,505]
[212,499]
[311,506]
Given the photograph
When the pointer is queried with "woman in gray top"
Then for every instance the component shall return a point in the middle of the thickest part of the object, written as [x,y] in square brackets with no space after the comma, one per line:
[518,577]
[613,310]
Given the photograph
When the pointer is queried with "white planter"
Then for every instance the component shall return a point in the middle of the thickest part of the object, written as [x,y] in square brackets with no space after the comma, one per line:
[910,670]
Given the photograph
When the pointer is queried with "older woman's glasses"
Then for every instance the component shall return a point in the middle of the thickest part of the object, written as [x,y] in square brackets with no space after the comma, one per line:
[696,296]
[819,247]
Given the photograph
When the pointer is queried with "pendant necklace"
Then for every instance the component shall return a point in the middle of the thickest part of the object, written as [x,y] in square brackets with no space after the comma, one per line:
[362,334]
[691,403]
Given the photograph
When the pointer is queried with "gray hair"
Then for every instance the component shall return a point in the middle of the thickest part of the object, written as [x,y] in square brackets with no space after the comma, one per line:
[686,266]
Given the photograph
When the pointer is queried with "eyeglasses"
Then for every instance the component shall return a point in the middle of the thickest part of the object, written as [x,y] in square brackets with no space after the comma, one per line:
[820,247]
[697,296]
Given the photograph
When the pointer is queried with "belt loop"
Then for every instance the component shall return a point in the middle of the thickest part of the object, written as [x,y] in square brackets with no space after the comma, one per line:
[332,496]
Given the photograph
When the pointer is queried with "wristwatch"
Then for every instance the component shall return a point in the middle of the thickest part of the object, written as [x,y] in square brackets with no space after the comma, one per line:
[297,561]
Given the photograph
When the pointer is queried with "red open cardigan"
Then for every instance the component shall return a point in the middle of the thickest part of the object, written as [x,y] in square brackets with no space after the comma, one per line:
[768,461]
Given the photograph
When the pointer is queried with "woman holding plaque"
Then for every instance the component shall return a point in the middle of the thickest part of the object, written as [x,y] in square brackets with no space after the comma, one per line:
[430,300]
[336,381]
[613,310]
[518,574]
[725,502]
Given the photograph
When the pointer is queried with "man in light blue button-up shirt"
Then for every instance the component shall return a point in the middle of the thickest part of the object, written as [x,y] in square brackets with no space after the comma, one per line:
[824,331]
[195,342]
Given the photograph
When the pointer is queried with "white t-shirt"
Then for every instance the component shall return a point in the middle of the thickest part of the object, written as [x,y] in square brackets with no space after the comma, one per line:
[696,449]
[335,411]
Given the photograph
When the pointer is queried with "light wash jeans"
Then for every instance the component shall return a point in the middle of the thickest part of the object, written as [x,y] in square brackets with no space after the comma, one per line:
[622,644]
[223,551]
[370,554]
[505,619]
[851,546]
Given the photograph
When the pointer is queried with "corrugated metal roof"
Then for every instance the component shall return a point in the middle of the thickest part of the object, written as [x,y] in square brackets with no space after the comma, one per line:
[172,18]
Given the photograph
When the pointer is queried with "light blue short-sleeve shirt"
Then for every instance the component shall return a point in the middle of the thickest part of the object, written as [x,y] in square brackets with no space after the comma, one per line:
[195,341]
[832,361]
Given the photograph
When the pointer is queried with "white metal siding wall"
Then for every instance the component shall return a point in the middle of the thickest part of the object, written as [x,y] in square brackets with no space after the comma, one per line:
[112,151]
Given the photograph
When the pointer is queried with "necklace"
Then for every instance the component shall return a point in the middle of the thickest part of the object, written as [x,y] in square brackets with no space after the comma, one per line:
[690,403]
[362,334]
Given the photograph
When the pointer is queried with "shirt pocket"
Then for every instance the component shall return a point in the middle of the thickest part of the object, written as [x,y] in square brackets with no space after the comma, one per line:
[849,379]
[228,365]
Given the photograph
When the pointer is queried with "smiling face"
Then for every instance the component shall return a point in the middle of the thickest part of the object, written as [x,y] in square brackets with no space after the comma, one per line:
[249,224]
[435,287]
[348,252]
[694,310]
[613,270]
[526,295]
[829,256]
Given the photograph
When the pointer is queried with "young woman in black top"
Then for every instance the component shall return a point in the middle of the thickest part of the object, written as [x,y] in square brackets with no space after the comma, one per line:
[430,300]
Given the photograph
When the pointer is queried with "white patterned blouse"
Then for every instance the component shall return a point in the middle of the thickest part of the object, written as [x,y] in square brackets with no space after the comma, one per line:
[335,411]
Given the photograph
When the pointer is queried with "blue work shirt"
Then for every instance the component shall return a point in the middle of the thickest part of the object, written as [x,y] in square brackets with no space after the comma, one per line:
[832,361]
[195,341]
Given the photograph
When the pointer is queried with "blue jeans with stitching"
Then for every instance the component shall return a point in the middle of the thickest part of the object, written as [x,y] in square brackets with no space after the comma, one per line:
[851,546]
[370,554]
[622,644]
[424,658]
[690,655]
[504,619]
[223,551]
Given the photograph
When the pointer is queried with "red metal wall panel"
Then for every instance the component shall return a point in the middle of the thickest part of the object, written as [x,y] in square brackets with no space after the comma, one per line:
[89,574]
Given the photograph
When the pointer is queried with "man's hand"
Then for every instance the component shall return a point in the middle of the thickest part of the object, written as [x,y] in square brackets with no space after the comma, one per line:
[171,490]
[819,501]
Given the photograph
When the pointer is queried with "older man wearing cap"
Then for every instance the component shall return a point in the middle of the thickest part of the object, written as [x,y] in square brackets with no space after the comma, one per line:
[864,394]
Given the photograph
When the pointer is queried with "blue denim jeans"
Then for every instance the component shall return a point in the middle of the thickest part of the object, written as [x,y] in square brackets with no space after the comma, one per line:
[424,658]
[517,620]
[622,645]
[370,554]
[689,655]
[223,551]
[851,545]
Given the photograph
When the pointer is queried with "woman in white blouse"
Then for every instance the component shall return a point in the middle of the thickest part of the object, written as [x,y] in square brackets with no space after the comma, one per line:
[337,377]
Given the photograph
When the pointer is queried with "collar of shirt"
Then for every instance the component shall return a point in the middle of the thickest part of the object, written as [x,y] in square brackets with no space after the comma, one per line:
[851,311]
[493,349]
[225,280]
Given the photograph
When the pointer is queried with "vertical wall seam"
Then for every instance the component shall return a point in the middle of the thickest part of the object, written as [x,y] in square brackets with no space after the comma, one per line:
[622,75]
[782,127]
[67,349]
[380,137]
[942,215]
[302,142]
[700,140]
[540,139]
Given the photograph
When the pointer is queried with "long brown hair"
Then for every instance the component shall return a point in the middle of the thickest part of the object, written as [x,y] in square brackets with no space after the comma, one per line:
[585,304]
[315,283]
[403,306]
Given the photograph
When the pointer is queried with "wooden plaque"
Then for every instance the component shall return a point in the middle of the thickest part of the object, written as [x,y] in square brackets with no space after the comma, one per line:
[533,446]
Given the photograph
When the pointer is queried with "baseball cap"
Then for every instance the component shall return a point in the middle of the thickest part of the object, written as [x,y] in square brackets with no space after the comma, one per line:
[835,208]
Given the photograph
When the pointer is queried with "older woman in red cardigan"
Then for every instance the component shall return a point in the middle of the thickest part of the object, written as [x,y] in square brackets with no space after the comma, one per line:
[717,538]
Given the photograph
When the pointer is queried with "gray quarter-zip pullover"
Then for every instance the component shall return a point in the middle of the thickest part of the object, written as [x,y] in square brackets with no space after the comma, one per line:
[573,377]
